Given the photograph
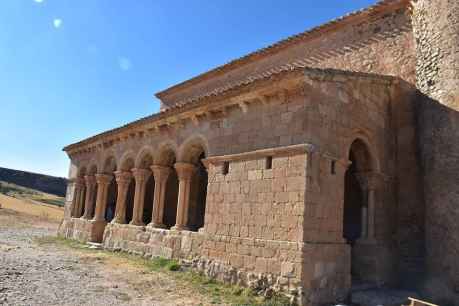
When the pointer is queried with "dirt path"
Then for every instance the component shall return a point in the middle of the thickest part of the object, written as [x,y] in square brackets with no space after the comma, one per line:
[49,274]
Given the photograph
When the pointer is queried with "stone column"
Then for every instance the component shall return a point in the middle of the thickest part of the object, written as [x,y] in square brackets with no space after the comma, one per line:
[363,181]
[89,201]
[185,172]
[123,179]
[373,180]
[369,182]
[141,177]
[364,217]
[161,174]
[103,181]
[78,193]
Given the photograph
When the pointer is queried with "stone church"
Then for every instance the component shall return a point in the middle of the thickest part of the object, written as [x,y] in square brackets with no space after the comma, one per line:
[326,160]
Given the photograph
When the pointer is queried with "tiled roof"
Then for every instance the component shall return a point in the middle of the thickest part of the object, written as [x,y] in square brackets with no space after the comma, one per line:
[368,11]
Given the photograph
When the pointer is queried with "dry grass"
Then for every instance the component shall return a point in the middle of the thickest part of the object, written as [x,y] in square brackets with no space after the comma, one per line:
[23,206]
[217,292]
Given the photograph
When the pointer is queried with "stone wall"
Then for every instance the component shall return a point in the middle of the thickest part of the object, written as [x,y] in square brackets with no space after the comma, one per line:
[436,29]
[408,187]
[438,128]
[255,202]
[382,43]
[273,225]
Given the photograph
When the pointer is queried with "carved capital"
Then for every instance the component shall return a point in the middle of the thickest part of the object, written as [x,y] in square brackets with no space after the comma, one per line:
[103,179]
[123,177]
[90,180]
[160,173]
[78,182]
[141,175]
[185,171]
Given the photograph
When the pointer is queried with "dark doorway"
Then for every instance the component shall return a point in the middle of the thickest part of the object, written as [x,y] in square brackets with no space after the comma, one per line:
[170,205]
[199,195]
[148,201]
[111,201]
[130,201]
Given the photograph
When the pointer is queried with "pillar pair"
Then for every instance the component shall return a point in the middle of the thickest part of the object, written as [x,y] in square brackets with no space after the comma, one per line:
[161,174]
[369,182]
[78,198]
[123,179]
[185,172]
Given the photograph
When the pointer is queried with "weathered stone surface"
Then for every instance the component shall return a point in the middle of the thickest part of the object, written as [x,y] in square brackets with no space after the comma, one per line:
[253,175]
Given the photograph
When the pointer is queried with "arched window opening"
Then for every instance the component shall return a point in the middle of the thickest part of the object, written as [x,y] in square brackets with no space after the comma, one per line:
[170,207]
[353,204]
[145,162]
[112,195]
[80,194]
[198,195]
[356,208]
[166,158]
[130,201]
[112,191]
[148,201]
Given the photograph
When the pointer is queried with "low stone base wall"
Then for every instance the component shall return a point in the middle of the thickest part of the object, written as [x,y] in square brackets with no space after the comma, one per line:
[309,273]
[210,255]
[82,229]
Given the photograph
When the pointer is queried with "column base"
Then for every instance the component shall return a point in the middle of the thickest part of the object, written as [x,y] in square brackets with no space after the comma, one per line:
[97,230]
[180,228]
[136,223]
[156,225]
[116,221]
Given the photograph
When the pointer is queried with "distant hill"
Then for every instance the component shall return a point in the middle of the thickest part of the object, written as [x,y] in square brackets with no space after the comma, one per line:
[45,183]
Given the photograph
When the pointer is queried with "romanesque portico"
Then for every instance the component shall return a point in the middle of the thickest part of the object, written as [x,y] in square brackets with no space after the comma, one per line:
[179,185]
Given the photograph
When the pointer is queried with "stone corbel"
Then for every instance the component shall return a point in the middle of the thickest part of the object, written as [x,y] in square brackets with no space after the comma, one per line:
[264,100]
[244,106]
[195,120]
[283,95]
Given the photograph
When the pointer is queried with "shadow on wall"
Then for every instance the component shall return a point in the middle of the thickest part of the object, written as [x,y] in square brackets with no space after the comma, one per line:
[438,146]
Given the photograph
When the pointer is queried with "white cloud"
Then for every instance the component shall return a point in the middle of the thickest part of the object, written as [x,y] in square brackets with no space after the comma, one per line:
[57,23]
[124,63]
[38,1]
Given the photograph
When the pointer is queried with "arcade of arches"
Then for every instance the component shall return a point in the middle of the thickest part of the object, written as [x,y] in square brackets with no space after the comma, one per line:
[166,194]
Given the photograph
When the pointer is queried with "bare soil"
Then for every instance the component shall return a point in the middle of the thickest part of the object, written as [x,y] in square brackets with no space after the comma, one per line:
[33,273]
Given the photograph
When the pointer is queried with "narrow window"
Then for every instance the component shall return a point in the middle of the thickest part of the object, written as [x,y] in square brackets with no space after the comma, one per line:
[269,162]
[333,167]
[225,169]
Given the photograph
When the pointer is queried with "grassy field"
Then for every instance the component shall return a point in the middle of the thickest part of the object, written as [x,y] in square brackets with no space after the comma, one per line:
[20,192]
[31,207]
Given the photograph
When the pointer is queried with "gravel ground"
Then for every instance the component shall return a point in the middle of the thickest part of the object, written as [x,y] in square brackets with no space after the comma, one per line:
[48,274]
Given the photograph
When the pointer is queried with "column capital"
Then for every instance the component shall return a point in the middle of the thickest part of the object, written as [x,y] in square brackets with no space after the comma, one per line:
[123,176]
[78,181]
[161,173]
[141,175]
[103,179]
[185,170]
[90,180]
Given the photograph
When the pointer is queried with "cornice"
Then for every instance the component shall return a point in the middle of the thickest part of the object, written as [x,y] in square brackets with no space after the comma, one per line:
[241,95]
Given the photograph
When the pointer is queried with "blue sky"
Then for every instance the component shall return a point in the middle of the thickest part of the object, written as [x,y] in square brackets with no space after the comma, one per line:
[70,69]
